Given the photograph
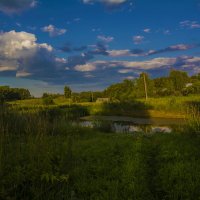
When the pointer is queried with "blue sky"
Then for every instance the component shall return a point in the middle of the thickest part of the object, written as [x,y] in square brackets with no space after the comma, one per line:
[90,44]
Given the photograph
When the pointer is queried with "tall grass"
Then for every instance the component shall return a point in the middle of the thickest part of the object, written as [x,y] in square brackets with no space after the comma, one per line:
[44,157]
[193,119]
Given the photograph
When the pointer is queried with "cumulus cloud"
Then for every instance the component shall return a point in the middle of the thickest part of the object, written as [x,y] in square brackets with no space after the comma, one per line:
[20,53]
[16,6]
[22,56]
[138,39]
[105,39]
[53,31]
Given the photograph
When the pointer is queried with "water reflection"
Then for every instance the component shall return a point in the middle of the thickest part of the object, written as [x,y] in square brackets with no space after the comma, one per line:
[120,127]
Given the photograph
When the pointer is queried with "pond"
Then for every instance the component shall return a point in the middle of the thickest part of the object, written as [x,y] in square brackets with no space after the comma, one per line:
[119,124]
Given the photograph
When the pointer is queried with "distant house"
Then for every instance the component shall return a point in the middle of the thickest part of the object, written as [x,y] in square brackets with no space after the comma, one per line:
[102,100]
[188,85]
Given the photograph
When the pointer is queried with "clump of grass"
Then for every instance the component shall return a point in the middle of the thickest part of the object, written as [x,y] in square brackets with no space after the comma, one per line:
[193,119]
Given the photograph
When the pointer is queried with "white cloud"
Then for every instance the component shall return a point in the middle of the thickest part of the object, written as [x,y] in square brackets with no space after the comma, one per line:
[125,53]
[53,31]
[20,52]
[18,45]
[147,30]
[190,24]
[61,60]
[150,64]
[138,39]
[85,68]
[105,39]
[108,2]
[119,53]
[125,71]
[132,66]
[22,74]
[130,77]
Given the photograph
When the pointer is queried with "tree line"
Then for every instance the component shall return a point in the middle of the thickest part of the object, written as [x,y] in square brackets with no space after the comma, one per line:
[177,83]
[11,94]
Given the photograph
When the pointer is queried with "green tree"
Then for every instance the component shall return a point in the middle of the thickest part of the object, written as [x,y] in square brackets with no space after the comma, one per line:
[121,91]
[179,79]
[11,94]
[67,92]
[163,86]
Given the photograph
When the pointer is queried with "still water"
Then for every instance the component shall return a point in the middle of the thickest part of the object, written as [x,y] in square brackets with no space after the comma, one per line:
[133,125]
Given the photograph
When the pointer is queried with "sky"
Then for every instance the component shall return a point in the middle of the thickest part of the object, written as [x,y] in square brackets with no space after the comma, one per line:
[90,44]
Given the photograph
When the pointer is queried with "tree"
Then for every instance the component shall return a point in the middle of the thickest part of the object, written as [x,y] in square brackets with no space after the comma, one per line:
[67,92]
[10,94]
[179,79]
[194,88]
[164,86]
[121,91]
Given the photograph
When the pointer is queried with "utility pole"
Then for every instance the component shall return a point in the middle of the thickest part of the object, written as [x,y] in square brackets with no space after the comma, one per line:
[145,86]
[92,96]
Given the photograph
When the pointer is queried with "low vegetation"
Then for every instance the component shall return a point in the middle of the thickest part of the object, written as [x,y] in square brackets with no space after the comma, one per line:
[45,154]
[45,157]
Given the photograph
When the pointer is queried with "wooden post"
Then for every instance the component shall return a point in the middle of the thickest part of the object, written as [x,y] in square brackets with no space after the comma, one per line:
[92,96]
[145,87]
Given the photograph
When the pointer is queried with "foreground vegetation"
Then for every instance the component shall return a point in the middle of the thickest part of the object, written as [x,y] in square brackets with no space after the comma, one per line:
[44,156]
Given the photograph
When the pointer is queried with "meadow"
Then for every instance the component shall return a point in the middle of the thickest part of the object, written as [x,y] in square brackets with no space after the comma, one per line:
[44,156]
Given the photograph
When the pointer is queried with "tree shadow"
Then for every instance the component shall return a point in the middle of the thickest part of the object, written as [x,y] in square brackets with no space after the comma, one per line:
[127,108]
[193,105]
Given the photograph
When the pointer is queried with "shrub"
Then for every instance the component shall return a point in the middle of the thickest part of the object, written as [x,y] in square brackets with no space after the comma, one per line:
[48,101]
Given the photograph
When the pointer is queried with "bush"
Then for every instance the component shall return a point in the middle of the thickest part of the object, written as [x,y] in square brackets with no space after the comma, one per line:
[48,101]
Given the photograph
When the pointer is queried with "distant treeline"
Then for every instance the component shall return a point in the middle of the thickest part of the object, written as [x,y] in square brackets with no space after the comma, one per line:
[177,83]
[10,94]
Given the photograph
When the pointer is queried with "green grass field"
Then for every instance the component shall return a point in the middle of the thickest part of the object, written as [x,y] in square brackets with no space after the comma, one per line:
[154,107]
[44,156]
[74,163]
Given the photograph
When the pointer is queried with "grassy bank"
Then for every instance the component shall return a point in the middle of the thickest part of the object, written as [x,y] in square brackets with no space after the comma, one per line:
[169,107]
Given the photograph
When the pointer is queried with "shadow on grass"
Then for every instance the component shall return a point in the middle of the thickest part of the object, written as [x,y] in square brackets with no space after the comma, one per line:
[193,105]
[128,109]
